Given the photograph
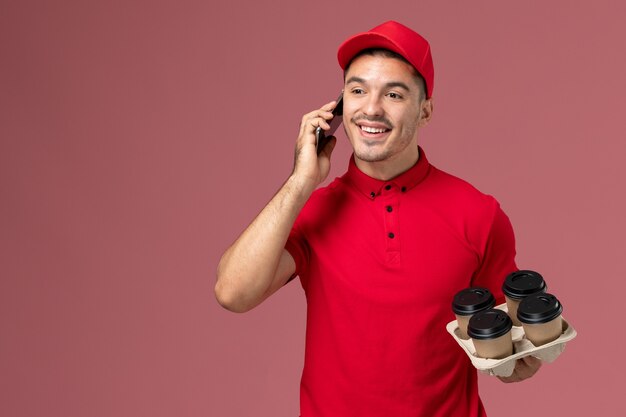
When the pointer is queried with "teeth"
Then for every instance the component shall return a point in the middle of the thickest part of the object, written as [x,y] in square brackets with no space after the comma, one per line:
[373,129]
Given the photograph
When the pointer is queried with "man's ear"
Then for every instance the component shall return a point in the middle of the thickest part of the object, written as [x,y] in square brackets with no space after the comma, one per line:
[426,112]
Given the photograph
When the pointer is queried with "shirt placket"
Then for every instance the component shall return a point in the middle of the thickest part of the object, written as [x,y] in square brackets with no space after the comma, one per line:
[389,204]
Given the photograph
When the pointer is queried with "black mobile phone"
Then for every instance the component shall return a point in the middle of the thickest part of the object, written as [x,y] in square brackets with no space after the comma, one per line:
[321,135]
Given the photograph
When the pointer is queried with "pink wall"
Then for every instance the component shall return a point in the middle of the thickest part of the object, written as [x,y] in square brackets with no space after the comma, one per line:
[139,138]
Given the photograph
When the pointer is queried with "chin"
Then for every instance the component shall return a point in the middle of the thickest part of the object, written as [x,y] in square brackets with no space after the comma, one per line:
[370,156]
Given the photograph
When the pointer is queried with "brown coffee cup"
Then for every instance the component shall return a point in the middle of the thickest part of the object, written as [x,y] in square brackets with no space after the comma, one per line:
[519,285]
[540,314]
[490,331]
[468,302]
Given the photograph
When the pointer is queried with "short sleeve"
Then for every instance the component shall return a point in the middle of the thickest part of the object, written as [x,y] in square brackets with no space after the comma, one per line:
[298,249]
[498,258]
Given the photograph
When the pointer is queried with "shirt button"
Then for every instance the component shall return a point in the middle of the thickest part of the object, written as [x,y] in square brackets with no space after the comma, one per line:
[389,209]
[391,235]
[387,187]
[403,189]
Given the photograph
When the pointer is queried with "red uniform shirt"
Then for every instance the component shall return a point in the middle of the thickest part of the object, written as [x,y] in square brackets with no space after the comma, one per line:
[380,262]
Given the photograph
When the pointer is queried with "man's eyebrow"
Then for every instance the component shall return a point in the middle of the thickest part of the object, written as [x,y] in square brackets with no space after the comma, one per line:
[354,79]
[390,84]
[397,84]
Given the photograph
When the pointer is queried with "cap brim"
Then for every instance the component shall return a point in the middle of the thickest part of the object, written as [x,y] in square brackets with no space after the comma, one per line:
[352,46]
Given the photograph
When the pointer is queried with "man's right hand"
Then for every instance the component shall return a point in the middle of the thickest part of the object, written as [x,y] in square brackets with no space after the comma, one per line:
[256,265]
[311,169]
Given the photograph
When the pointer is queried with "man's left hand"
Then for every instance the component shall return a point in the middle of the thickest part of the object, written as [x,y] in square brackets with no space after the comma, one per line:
[524,368]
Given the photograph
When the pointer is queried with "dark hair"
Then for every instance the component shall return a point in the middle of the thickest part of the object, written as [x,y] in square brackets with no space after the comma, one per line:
[390,54]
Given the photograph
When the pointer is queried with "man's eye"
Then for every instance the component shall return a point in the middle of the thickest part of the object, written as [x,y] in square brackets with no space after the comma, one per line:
[394,95]
[357,91]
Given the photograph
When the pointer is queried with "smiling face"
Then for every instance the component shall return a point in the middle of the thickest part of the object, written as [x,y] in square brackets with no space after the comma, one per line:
[382,111]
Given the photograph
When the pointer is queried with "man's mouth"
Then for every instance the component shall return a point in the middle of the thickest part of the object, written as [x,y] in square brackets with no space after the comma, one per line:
[373,130]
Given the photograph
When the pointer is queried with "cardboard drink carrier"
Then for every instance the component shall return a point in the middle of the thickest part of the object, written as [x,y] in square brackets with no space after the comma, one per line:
[521,347]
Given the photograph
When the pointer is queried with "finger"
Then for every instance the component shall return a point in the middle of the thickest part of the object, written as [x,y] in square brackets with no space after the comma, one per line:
[325,110]
[514,377]
[528,364]
[313,120]
[509,379]
[326,114]
[524,368]
[319,122]
[329,106]
[531,365]
[309,126]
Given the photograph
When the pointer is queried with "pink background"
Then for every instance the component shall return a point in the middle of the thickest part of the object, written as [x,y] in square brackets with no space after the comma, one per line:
[139,138]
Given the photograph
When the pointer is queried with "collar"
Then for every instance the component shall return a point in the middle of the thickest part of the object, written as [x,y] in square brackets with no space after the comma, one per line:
[372,187]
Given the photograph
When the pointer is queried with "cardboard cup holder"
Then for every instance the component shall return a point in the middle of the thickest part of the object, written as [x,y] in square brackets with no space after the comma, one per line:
[521,347]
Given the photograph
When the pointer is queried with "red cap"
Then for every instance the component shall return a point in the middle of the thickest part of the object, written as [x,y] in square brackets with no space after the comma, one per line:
[397,38]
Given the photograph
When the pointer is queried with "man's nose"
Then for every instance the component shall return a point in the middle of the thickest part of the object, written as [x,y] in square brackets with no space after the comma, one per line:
[373,106]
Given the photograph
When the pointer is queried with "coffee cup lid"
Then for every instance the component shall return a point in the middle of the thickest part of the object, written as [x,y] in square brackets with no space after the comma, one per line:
[489,324]
[472,300]
[539,308]
[521,284]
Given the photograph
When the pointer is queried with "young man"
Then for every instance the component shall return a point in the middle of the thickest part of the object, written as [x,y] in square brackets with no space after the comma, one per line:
[381,251]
